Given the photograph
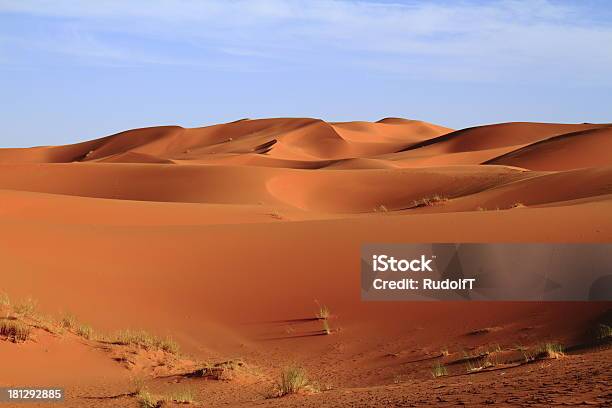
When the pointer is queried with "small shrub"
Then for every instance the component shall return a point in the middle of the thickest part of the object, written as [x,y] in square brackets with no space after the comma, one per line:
[4,299]
[444,352]
[438,370]
[292,380]
[14,330]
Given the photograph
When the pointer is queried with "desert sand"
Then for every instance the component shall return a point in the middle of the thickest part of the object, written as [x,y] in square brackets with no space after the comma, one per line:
[229,238]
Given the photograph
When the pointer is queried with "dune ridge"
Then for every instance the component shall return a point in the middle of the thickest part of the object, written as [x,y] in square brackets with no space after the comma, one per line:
[311,166]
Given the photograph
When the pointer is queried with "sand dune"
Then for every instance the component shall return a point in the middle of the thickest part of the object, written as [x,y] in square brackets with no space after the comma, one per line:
[224,236]
[587,148]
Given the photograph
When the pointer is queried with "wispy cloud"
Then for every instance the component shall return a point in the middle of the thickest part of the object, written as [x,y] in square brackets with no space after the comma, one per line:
[458,40]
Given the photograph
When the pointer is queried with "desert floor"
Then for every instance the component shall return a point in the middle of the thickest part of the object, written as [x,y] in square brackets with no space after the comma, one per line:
[224,243]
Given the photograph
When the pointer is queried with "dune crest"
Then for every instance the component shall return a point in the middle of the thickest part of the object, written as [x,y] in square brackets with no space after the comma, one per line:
[310,166]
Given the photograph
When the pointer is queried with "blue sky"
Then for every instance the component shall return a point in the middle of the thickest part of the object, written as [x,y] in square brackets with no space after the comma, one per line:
[76,70]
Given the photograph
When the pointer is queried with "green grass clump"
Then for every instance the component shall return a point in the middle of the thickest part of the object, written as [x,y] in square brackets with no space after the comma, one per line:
[438,370]
[14,330]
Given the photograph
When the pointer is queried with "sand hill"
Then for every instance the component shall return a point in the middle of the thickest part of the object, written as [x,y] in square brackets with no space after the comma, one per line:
[223,237]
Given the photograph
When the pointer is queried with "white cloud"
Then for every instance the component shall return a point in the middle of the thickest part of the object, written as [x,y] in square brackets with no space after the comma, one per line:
[452,40]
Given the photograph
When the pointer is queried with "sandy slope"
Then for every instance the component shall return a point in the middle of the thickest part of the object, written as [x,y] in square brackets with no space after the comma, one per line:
[223,237]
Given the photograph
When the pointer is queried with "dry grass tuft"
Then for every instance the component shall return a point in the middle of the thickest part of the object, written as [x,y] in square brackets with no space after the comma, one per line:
[46,323]
[85,331]
[68,321]
[148,400]
[26,308]
[552,350]
[326,328]
[5,300]
[292,380]
[438,370]
[478,332]
[226,370]
[223,371]
[183,396]
[430,201]
[604,332]
[323,312]
[20,332]
[145,340]
[381,208]
[14,330]
[276,215]
[480,364]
